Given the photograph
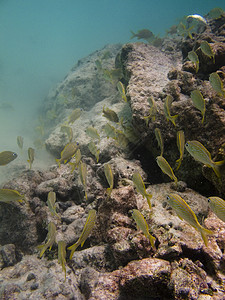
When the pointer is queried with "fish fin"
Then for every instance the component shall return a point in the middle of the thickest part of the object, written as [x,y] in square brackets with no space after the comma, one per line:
[73,248]
[216,166]
[178,161]
[58,161]
[152,240]
[173,119]
[133,34]
[148,197]
[180,217]
[204,233]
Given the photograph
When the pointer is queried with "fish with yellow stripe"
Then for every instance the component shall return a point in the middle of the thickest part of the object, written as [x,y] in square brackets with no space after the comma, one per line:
[217,205]
[89,224]
[184,212]
[201,154]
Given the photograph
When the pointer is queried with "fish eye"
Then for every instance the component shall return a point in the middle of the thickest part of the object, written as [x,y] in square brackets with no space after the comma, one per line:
[186,144]
[167,197]
[14,154]
[208,199]
[77,143]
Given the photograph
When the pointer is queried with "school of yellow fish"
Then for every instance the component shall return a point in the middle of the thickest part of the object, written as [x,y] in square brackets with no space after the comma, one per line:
[71,151]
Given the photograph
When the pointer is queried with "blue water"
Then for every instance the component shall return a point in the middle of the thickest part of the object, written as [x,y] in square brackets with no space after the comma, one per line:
[41,40]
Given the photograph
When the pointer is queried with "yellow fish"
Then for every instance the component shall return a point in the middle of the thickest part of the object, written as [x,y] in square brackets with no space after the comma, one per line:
[207,50]
[194,59]
[67,153]
[109,177]
[51,203]
[217,205]
[167,107]
[143,225]
[110,131]
[6,157]
[62,255]
[83,176]
[93,133]
[30,156]
[180,145]
[152,111]
[93,149]
[185,212]
[159,140]
[122,91]
[201,154]
[90,222]
[76,113]
[7,195]
[110,114]
[165,167]
[20,142]
[217,84]
[50,239]
[77,157]
[140,187]
[199,102]
[68,131]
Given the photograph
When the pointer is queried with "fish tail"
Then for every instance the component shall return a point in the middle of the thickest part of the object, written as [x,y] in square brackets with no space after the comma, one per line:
[173,119]
[216,167]
[204,233]
[178,161]
[42,248]
[152,240]
[73,248]
[58,161]
[203,118]
[148,197]
[133,34]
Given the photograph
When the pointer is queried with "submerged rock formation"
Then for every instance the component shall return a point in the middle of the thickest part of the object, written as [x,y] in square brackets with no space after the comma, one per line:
[117,260]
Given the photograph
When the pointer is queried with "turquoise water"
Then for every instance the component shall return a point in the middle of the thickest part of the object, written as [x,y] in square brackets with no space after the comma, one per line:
[41,40]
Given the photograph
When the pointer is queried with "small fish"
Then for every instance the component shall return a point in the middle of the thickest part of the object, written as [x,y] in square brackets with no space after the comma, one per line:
[30,156]
[110,131]
[184,31]
[121,138]
[192,55]
[152,111]
[159,140]
[109,177]
[89,224]
[122,91]
[180,146]
[197,17]
[50,239]
[145,34]
[167,107]
[7,196]
[76,113]
[217,205]
[68,131]
[110,114]
[216,13]
[83,176]
[217,84]
[199,102]
[77,157]
[67,153]
[143,225]
[201,154]
[51,203]
[92,132]
[20,142]
[207,50]
[6,157]
[140,187]
[184,211]
[62,255]
[93,149]
[166,168]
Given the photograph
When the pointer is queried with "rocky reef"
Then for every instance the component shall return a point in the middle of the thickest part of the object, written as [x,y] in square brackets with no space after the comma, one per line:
[117,261]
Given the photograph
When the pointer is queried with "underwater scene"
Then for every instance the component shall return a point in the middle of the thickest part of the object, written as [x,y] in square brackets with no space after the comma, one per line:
[112,157]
